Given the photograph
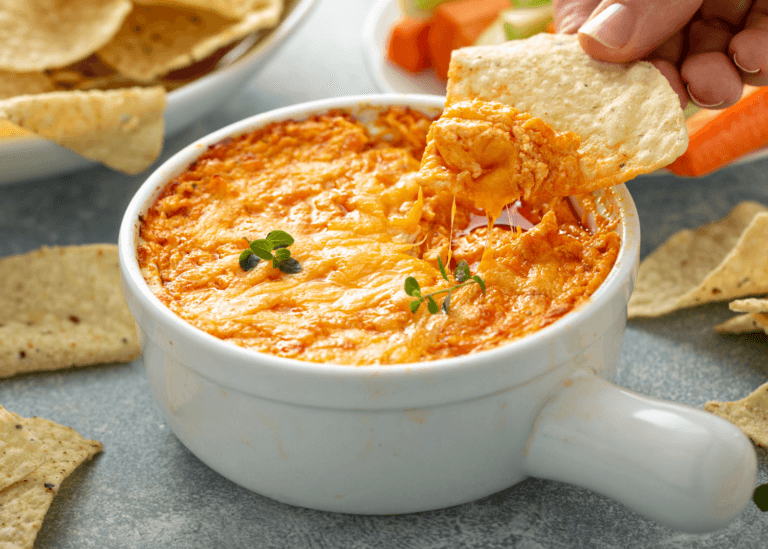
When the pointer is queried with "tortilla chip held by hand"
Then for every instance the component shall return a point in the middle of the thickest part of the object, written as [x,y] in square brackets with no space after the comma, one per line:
[567,123]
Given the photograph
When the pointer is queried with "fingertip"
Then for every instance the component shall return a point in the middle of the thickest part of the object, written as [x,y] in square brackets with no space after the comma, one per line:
[670,73]
[749,53]
[712,80]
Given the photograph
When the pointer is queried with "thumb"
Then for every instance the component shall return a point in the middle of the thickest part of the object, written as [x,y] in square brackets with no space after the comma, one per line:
[631,29]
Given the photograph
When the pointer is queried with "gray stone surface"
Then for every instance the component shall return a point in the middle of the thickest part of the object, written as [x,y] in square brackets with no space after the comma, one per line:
[146,490]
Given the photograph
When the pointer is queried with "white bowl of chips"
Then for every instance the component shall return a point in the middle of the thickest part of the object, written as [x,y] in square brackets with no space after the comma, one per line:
[403,438]
[198,74]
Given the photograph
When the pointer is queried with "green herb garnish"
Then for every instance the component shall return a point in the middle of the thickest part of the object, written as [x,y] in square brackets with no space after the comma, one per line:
[277,242]
[463,278]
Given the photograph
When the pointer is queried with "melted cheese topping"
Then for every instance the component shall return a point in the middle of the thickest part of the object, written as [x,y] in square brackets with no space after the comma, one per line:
[361,225]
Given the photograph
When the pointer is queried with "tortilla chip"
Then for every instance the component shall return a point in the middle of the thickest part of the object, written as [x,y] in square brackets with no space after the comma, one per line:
[233,9]
[44,34]
[750,305]
[750,414]
[62,307]
[157,39]
[723,260]
[744,324]
[24,504]
[24,83]
[627,115]
[120,128]
[20,451]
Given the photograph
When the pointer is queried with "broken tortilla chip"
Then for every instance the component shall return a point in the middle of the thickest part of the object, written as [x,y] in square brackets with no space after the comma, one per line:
[45,34]
[62,307]
[750,305]
[627,116]
[723,260]
[233,9]
[744,324]
[750,414]
[120,128]
[23,505]
[20,451]
[157,39]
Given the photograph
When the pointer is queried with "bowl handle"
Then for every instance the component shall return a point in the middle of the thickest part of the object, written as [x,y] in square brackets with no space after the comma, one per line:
[682,467]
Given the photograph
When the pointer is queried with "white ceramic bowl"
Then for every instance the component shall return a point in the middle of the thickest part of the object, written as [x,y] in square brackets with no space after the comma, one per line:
[28,158]
[413,437]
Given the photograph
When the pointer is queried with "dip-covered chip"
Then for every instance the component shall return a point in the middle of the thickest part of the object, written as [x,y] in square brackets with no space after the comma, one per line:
[722,260]
[156,39]
[120,128]
[62,307]
[624,119]
[44,34]
[24,503]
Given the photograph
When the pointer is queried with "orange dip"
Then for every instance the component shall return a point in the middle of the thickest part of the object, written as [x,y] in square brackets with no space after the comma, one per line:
[362,224]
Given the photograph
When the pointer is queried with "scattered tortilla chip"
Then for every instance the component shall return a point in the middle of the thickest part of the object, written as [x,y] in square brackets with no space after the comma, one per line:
[24,83]
[723,260]
[627,115]
[45,34]
[750,305]
[20,451]
[23,505]
[233,9]
[157,39]
[120,128]
[750,414]
[744,324]
[62,307]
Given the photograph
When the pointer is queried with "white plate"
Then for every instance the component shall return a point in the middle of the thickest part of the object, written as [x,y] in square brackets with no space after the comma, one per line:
[390,78]
[26,158]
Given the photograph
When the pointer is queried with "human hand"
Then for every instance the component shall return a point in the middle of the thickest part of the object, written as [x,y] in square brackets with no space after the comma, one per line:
[707,49]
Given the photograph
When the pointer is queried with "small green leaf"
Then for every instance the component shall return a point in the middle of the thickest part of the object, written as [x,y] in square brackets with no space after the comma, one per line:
[290,266]
[279,239]
[432,304]
[442,269]
[461,273]
[281,254]
[414,305]
[760,497]
[446,303]
[262,248]
[480,282]
[412,287]
[248,261]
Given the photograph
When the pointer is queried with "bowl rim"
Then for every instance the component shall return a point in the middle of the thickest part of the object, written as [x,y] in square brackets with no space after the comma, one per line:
[623,272]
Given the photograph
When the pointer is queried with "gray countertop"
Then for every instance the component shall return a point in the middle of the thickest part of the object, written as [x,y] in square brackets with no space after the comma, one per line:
[147,490]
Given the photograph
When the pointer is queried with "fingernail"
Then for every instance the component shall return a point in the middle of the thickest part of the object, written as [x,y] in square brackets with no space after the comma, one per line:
[700,103]
[612,27]
[735,61]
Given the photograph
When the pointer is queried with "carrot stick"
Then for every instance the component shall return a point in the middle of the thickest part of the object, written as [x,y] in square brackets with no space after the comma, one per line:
[408,44]
[458,24]
[716,138]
